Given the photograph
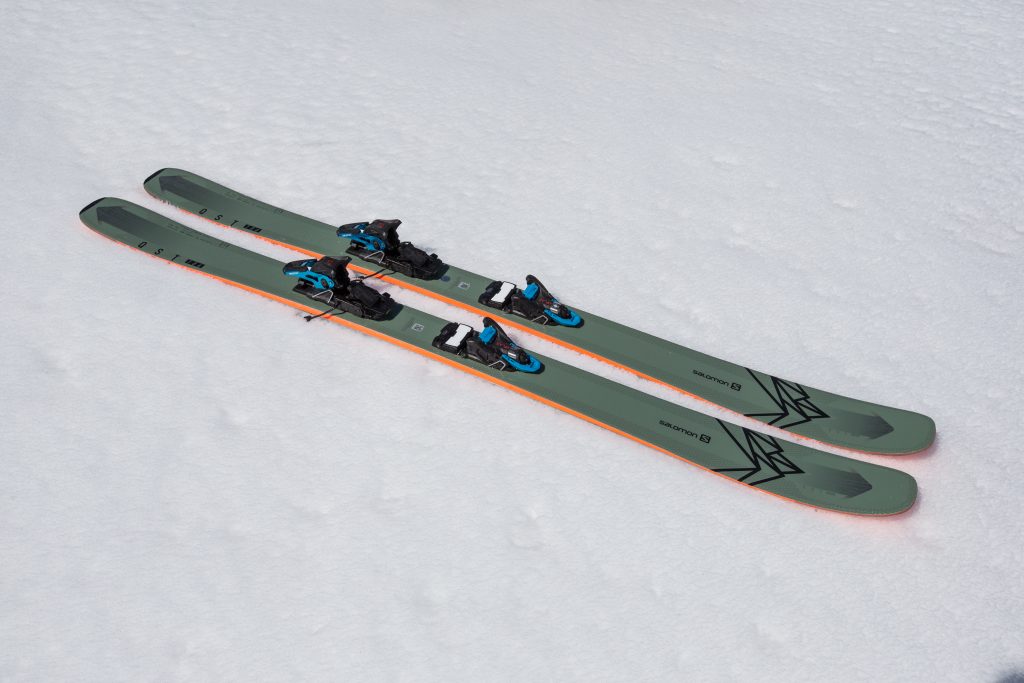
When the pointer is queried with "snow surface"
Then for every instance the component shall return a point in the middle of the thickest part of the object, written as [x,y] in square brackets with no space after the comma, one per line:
[195,485]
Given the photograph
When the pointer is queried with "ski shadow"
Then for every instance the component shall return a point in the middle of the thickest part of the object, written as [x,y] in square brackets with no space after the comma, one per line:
[1011,677]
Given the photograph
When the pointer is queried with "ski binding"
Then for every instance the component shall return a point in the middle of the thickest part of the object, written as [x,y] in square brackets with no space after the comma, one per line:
[490,346]
[326,280]
[378,242]
[535,303]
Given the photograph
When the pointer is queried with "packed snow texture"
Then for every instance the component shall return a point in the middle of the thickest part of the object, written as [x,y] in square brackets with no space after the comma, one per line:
[196,485]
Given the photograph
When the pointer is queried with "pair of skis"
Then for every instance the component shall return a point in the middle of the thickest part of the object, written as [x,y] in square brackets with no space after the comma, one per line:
[789,470]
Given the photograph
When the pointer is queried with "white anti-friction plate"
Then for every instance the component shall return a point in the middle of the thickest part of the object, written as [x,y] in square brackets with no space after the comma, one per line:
[502,294]
[461,332]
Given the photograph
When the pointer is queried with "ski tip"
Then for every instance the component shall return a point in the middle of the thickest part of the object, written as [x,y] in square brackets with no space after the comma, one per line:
[909,433]
[907,497]
[92,204]
[155,174]
[923,430]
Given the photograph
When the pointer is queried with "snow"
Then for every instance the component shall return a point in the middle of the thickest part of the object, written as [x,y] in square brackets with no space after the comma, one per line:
[195,485]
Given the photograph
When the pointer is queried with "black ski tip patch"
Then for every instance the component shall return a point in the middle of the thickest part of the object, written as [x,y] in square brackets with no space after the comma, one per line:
[154,175]
[91,204]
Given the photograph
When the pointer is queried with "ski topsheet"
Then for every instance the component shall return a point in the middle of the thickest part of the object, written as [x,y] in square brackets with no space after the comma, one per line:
[788,470]
[813,413]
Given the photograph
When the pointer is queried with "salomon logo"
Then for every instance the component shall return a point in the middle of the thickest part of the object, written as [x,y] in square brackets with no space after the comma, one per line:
[251,228]
[194,264]
[704,438]
[735,386]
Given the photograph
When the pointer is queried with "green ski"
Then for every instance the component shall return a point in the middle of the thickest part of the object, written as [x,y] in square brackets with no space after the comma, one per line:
[813,413]
[787,470]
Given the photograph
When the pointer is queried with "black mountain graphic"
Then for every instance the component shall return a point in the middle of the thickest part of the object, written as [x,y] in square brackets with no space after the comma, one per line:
[766,455]
[792,401]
